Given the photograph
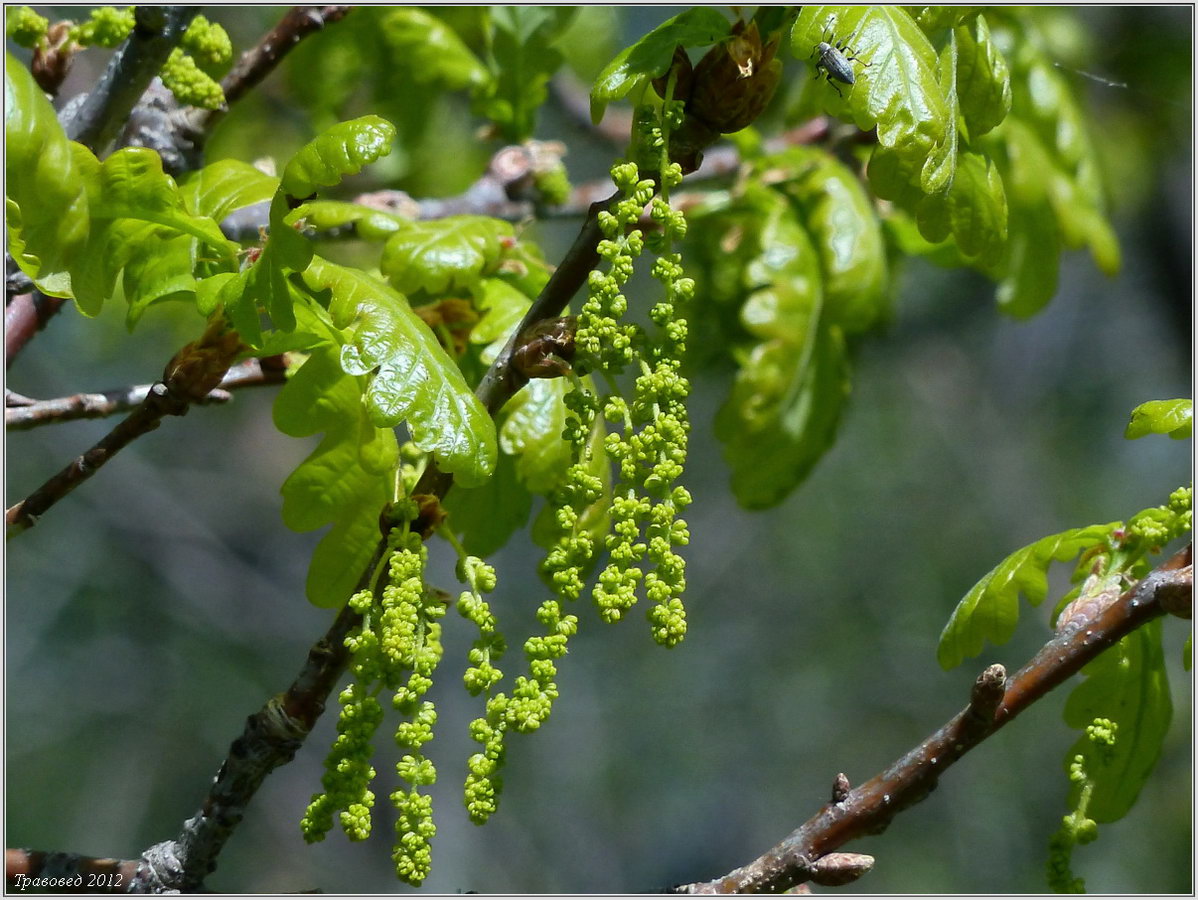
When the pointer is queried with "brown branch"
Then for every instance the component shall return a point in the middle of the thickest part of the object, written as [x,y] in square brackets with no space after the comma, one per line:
[40,870]
[24,316]
[256,63]
[993,703]
[189,377]
[29,414]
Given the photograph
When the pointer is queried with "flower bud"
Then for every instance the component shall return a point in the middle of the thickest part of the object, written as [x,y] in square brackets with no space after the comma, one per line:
[735,81]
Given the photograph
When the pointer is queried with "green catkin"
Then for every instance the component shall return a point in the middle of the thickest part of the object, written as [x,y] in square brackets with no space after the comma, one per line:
[1076,827]
[648,447]
[191,70]
[395,647]
[483,784]
[107,27]
[24,27]
[412,642]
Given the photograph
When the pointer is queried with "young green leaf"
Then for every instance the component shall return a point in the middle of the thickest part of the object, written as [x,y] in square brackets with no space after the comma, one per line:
[899,92]
[535,419]
[485,517]
[650,57]
[158,271]
[432,51]
[133,186]
[782,415]
[1127,684]
[501,307]
[341,150]
[265,284]
[333,484]
[412,378]
[228,184]
[450,253]
[977,209]
[840,218]
[1066,169]
[46,194]
[1031,264]
[1172,417]
[983,79]
[369,224]
[523,57]
[990,610]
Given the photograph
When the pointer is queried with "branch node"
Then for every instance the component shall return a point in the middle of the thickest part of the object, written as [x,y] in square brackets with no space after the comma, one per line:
[987,692]
[840,788]
[840,868]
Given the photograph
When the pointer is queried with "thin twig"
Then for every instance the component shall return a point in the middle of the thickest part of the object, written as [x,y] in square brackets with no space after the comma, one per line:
[870,808]
[502,192]
[30,414]
[190,375]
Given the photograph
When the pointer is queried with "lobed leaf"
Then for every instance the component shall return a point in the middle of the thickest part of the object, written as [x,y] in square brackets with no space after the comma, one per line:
[341,150]
[534,420]
[369,223]
[783,414]
[1172,417]
[990,610]
[1127,684]
[133,186]
[346,480]
[46,194]
[444,254]
[228,184]
[523,56]
[161,270]
[840,217]
[265,283]
[977,209]
[650,56]
[501,307]
[412,378]
[898,92]
[983,78]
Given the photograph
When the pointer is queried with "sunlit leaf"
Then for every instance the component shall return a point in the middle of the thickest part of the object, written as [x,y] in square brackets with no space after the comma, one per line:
[332,484]
[990,611]
[436,256]
[1172,417]
[412,379]
[649,57]
[228,184]
[341,150]
[46,196]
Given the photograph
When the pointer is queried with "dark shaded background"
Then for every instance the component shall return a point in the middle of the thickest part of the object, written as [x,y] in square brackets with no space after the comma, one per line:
[160,604]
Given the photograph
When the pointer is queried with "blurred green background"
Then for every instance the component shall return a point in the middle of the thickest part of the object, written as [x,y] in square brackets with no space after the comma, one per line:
[161,603]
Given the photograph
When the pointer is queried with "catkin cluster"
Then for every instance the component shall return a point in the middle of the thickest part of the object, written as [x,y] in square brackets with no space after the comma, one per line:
[647,449]
[396,647]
